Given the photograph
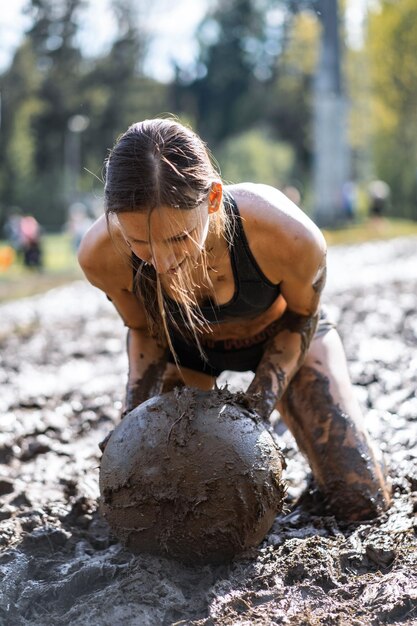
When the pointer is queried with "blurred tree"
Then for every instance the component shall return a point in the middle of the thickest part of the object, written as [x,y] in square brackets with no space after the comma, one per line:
[115,91]
[289,104]
[254,157]
[331,164]
[255,71]
[224,92]
[20,105]
[38,112]
[392,49]
[61,113]
[360,118]
[115,75]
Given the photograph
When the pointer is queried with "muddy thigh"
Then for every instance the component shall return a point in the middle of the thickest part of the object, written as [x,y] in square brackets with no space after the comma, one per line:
[323,414]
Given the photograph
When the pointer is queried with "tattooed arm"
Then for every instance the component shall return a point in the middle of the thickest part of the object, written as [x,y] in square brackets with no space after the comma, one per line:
[301,287]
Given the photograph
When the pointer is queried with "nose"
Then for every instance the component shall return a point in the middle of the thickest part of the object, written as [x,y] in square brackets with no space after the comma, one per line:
[163,261]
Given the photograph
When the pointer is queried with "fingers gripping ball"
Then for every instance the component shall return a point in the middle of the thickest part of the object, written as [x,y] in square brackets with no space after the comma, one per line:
[191,475]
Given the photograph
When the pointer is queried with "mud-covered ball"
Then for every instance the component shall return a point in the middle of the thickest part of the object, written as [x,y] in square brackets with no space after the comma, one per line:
[191,475]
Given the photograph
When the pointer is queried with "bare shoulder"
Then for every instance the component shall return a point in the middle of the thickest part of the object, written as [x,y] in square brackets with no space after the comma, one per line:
[104,257]
[281,236]
[106,262]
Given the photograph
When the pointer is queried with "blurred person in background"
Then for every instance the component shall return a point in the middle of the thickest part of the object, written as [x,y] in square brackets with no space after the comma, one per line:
[78,223]
[12,232]
[30,236]
[349,200]
[379,193]
[292,193]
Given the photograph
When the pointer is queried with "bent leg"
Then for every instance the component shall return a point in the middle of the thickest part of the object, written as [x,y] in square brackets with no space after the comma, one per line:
[178,377]
[320,409]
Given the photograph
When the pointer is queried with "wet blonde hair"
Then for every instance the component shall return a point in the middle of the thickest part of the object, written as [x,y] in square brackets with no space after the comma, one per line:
[155,163]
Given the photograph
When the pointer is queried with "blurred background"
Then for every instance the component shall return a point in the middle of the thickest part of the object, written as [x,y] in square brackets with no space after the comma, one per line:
[315,97]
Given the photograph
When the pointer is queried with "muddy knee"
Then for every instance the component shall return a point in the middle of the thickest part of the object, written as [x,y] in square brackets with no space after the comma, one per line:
[337,447]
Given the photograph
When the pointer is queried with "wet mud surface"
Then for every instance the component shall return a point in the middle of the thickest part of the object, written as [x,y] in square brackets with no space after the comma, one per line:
[62,374]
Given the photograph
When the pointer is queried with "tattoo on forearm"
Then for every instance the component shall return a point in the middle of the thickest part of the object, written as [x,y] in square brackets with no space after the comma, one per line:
[305,326]
[271,380]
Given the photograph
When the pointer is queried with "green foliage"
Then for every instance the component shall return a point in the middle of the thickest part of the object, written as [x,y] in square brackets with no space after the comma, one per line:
[289,106]
[22,147]
[60,266]
[43,160]
[225,78]
[255,70]
[392,49]
[227,89]
[254,157]
[237,86]
[20,106]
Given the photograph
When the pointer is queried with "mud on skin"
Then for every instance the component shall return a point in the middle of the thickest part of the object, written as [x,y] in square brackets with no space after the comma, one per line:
[343,464]
[271,380]
[149,385]
[62,374]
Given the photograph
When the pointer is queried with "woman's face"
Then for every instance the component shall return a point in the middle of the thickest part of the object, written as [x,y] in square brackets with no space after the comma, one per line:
[168,238]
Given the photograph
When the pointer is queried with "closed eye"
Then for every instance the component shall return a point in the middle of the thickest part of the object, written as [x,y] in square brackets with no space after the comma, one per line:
[175,238]
[183,236]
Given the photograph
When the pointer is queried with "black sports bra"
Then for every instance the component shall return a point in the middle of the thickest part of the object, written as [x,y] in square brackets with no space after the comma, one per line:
[254,293]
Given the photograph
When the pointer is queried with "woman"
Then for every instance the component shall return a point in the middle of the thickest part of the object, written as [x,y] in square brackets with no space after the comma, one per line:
[209,278]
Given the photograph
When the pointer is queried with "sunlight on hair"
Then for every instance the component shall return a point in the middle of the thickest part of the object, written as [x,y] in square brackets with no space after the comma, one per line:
[183,288]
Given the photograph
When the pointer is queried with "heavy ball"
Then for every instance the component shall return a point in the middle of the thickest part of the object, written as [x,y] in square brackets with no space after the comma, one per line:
[191,475]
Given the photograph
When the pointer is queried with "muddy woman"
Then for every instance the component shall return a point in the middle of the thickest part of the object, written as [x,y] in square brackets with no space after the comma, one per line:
[210,277]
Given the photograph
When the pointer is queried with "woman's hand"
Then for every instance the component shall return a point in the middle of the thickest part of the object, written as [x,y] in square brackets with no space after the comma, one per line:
[283,356]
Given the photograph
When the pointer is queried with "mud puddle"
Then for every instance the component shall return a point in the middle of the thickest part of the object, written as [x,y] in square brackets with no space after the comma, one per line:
[62,373]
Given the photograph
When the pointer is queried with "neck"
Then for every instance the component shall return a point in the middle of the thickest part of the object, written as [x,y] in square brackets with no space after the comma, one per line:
[215,247]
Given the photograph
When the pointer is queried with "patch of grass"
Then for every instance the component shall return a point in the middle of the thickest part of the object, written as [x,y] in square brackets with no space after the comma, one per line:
[370,230]
[59,267]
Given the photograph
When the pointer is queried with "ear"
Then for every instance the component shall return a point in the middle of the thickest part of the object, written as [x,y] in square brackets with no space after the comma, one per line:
[215,197]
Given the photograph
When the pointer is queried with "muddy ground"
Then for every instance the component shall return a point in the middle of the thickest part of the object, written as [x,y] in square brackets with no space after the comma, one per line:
[62,374]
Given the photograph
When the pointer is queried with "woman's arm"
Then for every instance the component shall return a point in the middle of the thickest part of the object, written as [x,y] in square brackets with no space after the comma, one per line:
[282,358]
[147,363]
[301,286]
[106,264]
